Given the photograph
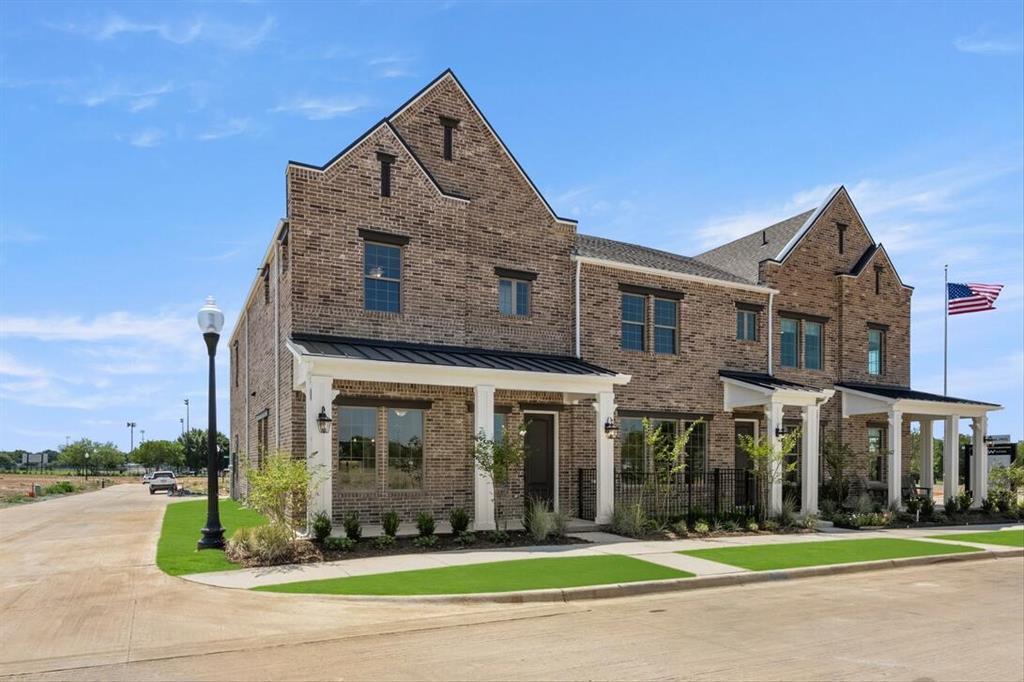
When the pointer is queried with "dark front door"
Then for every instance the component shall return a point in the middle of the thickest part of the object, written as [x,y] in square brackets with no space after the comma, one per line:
[539,467]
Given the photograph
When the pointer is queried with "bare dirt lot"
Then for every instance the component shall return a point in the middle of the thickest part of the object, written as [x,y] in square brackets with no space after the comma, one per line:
[15,488]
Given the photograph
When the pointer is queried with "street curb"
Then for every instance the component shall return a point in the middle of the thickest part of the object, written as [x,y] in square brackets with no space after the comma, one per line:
[572,594]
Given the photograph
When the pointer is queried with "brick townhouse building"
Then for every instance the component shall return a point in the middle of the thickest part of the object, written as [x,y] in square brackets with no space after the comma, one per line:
[420,290]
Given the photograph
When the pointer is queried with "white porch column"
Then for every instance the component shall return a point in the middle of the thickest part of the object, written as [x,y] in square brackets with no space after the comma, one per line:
[979,460]
[483,487]
[895,446]
[950,458]
[810,457]
[604,408]
[319,395]
[773,424]
[927,455]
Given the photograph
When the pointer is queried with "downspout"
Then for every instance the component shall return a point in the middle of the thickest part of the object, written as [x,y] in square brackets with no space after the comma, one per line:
[771,332]
[578,270]
[247,413]
[277,346]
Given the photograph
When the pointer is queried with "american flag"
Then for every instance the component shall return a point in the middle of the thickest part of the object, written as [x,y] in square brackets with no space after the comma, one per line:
[971,298]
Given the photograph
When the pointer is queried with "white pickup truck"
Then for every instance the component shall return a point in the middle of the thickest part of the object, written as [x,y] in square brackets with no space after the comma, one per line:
[162,480]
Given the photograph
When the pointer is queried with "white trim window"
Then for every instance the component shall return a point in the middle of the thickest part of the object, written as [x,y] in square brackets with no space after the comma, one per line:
[405,448]
[382,277]
[514,297]
[357,447]
[876,351]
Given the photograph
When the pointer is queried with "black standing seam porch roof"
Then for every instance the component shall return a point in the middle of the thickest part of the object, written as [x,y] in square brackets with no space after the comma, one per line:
[445,356]
[765,381]
[900,393]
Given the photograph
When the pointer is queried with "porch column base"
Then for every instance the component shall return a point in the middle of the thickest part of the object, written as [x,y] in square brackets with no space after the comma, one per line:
[604,408]
[483,486]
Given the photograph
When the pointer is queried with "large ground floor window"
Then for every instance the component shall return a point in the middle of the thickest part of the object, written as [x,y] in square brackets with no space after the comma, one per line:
[405,448]
[357,447]
[637,456]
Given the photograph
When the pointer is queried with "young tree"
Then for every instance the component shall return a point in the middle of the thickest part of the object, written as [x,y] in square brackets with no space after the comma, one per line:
[154,454]
[769,463]
[499,457]
[836,457]
[279,489]
[668,453]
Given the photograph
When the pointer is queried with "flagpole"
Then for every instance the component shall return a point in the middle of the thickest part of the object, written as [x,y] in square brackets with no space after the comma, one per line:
[945,333]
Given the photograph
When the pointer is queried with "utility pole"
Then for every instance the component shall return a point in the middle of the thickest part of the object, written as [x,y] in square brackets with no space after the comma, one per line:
[188,434]
[142,436]
[131,429]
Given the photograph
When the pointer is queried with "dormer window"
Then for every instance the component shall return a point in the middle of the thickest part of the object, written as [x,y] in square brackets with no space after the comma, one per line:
[841,230]
[386,160]
[449,125]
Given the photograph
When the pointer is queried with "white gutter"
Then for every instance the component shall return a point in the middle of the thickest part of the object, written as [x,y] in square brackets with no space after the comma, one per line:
[579,266]
[675,275]
[771,332]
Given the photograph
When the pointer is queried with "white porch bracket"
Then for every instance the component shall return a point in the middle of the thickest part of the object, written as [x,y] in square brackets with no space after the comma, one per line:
[483,486]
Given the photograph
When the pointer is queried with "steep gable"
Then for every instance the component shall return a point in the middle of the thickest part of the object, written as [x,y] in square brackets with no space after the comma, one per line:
[742,257]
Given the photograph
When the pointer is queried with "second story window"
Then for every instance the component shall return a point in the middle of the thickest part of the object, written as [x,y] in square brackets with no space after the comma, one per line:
[514,297]
[746,324]
[789,346]
[634,321]
[382,270]
[666,316]
[386,161]
[876,351]
[812,345]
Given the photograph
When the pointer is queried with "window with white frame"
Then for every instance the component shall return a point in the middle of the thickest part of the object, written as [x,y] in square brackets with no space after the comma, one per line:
[514,297]
[405,448]
[357,447]
[382,270]
[876,351]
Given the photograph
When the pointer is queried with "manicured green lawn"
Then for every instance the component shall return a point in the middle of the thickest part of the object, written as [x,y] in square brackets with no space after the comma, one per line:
[800,554]
[176,552]
[499,576]
[1010,538]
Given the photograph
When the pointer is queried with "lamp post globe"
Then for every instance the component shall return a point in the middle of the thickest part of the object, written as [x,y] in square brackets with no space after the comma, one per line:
[211,321]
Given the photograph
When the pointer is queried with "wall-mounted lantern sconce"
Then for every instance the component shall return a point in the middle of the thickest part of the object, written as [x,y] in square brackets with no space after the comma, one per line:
[323,421]
[611,429]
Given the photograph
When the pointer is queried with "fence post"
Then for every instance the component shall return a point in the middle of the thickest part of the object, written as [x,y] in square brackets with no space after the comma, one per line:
[689,498]
[579,493]
[715,488]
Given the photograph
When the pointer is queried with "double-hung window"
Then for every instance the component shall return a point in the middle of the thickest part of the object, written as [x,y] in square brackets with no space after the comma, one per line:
[666,319]
[633,458]
[405,448]
[514,297]
[634,321]
[788,349]
[357,447]
[382,271]
[746,324]
[812,345]
[876,351]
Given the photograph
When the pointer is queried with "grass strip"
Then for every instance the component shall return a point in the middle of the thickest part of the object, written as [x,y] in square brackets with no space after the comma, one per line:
[1009,538]
[498,576]
[176,552]
[822,553]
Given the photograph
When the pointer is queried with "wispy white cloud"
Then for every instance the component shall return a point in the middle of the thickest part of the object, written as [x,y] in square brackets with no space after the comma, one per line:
[137,98]
[229,128]
[322,108]
[18,235]
[167,329]
[391,66]
[11,367]
[200,29]
[980,44]
[148,137]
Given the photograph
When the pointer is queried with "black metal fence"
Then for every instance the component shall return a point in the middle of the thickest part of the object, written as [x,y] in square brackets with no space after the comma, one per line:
[715,492]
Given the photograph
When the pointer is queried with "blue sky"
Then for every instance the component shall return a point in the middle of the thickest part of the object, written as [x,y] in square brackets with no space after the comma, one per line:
[144,145]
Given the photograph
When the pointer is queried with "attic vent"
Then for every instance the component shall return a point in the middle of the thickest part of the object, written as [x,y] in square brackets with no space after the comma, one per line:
[385,172]
[449,124]
[764,237]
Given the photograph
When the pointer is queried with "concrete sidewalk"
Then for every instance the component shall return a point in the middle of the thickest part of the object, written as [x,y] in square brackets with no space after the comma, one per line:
[662,552]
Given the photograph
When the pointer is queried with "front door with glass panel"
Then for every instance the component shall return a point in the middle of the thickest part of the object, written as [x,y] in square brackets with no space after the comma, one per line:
[539,467]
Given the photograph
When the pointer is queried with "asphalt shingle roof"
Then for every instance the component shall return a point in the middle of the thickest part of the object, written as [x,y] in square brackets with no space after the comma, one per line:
[449,356]
[742,256]
[634,254]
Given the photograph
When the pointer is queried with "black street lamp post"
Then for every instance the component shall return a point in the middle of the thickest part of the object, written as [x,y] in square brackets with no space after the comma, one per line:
[211,321]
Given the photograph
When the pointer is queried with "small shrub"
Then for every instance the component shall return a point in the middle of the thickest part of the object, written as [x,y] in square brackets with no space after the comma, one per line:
[424,541]
[425,524]
[680,529]
[810,521]
[321,527]
[498,537]
[353,529]
[261,545]
[459,519]
[339,544]
[914,504]
[787,515]
[927,507]
[561,521]
[752,526]
[391,520]
[716,526]
[730,526]
[1003,501]
[987,505]
[701,528]
[630,520]
[828,509]
[466,538]
[770,525]
[384,541]
[60,488]
[537,520]
[865,504]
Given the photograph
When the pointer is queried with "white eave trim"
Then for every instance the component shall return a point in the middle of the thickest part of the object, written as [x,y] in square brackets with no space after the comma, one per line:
[353,369]
[619,265]
[784,396]
[872,403]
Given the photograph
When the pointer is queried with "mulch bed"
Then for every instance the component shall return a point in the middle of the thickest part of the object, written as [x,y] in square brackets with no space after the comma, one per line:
[445,542]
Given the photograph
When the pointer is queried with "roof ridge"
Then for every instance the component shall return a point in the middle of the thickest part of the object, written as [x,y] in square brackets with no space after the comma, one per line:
[637,246]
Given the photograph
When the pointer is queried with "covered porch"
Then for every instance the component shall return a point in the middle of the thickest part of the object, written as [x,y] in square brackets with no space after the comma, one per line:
[747,390]
[470,377]
[897,406]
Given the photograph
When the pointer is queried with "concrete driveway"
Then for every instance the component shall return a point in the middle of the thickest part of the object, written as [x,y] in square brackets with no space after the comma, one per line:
[80,598]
